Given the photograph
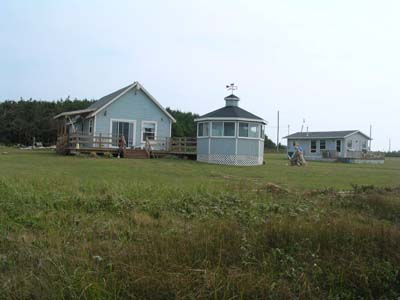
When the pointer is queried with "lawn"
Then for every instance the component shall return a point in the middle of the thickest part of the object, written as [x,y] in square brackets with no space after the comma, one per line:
[96,228]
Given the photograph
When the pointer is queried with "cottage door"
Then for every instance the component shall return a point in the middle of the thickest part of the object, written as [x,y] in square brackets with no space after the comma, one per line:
[127,129]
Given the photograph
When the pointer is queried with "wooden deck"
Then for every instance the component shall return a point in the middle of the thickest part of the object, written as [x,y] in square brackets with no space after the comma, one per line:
[183,147]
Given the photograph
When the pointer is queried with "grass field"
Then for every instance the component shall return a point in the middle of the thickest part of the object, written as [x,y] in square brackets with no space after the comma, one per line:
[96,228]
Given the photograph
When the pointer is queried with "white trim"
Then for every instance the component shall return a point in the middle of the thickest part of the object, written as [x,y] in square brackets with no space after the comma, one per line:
[233,119]
[138,87]
[74,112]
[250,138]
[94,126]
[141,130]
[133,131]
[357,131]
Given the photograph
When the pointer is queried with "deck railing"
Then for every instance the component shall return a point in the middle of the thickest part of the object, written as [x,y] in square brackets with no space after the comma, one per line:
[69,142]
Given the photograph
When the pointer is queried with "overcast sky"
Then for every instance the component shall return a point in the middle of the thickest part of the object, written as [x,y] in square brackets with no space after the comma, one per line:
[333,63]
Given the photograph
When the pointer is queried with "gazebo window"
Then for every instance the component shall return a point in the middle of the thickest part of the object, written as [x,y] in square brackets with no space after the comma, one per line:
[254,130]
[203,129]
[244,129]
[217,128]
[229,128]
[251,130]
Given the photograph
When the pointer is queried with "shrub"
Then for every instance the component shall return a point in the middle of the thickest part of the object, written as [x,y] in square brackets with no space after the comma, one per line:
[108,155]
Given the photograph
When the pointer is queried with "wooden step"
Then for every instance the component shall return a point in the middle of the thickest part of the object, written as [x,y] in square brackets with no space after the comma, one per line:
[136,154]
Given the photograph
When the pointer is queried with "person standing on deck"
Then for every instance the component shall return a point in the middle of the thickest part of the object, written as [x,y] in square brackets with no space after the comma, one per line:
[121,146]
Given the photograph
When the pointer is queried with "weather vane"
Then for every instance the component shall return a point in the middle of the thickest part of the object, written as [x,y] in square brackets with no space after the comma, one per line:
[231,87]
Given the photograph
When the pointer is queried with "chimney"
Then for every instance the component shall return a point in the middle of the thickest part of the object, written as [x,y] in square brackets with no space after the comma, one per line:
[232,100]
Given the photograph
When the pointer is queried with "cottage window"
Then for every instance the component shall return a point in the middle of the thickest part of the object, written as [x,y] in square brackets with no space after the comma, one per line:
[364,145]
[217,128]
[322,144]
[262,132]
[313,146]
[229,128]
[90,126]
[203,129]
[148,131]
[350,144]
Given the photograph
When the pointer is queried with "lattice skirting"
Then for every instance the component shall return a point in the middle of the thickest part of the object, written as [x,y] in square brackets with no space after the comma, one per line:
[225,159]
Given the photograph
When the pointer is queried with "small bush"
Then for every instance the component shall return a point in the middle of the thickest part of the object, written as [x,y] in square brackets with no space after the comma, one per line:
[93,154]
[108,155]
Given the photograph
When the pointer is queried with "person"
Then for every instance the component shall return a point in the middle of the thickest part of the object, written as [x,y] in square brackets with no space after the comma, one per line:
[121,146]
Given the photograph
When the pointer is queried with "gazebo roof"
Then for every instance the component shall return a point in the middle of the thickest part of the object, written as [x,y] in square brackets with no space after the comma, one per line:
[230,112]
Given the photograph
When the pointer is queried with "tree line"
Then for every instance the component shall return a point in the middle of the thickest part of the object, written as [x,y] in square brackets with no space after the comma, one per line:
[25,120]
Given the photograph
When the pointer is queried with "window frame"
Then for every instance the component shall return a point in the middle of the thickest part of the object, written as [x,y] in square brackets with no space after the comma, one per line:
[142,130]
[208,129]
[223,130]
[349,142]
[258,137]
[320,148]
[90,126]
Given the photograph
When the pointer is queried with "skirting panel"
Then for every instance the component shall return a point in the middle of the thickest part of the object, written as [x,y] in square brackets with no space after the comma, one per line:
[236,160]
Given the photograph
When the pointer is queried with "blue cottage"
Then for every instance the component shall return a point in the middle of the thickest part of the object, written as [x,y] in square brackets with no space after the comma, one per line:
[231,136]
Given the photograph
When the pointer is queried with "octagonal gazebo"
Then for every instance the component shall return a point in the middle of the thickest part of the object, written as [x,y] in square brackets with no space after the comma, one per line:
[230,135]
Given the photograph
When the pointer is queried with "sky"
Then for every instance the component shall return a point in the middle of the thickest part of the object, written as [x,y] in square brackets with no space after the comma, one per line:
[333,64]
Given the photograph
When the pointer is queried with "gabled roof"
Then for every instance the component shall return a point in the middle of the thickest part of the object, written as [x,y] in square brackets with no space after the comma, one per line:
[105,101]
[230,112]
[324,134]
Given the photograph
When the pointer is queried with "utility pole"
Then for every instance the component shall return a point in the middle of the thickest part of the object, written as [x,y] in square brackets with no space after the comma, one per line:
[288,129]
[277,135]
[390,142]
[370,137]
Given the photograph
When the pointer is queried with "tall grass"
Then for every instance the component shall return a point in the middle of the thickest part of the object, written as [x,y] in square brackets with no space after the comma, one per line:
[63,236]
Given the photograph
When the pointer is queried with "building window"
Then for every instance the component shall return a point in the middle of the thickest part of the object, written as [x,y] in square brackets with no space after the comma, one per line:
[229,128]
[223,129]
[203,129]
[262,132]
[313,146]
[90,126]
[251,130]
[322,145]
[364,145]
[350,144]
[217,128]
[148,131]
[254,130]
[338,146]
[244,129]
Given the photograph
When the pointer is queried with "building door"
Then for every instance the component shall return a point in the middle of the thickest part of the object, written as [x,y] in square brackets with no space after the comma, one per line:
[125,128]
[338,146]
